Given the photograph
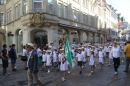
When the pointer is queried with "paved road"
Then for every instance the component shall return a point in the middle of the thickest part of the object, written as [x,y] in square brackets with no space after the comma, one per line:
[103,77]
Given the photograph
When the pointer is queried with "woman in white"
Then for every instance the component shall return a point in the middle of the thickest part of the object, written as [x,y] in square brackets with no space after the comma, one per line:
[49,60]
[84,57]
[101,59]
[63,65]
[96,55]
[88,51]
[44,58]
[91,61]
[55,57]
[110,55]
[116,56]
[24,53]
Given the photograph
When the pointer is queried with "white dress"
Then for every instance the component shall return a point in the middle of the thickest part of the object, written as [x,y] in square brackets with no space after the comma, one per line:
[91,62]
[63,66]
[84,56]
[55,56]
[101,57]
[110,54]
[88,51]
[48,61]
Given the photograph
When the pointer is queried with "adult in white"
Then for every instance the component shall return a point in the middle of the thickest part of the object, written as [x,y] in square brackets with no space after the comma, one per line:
[24,53]
[116,56]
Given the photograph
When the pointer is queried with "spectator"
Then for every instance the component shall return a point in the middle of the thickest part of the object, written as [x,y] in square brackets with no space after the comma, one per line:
[4,56]
[24,53]
[13,57]
[127,54]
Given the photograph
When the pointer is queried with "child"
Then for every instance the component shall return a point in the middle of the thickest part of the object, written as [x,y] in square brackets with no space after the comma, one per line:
[110,56]
[88,52]
[101,54]
[63,65]
[80,60]
[91,61]
[84,57]
[44,58]
[59,59]
[96,55]
[49,60]
[55,57]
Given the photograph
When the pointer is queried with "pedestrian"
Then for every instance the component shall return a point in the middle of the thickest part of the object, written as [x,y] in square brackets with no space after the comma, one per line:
[110,55]
[91,61]
[63,65]
[24,53]
[84,57]
[101,57]
[32,65]
[44,58]
[80,60]
[127,54]
[39,53]
[4,56]
[55,58]
[116,56]
[49,60]
[13,57]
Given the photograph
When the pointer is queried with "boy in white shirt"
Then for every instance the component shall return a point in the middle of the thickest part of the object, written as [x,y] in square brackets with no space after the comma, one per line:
[79,59]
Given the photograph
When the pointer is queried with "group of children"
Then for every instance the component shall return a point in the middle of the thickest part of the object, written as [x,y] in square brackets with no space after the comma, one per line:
[83,53]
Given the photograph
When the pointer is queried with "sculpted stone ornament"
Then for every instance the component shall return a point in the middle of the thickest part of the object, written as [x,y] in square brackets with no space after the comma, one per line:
[37,19]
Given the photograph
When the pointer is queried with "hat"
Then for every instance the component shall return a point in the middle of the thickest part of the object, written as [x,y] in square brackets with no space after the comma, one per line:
[100,47]
[93,46]
[31,45]
[44,50]
[110,46]
[79,48]
[82,47]
[55,48]
[61,49]
[48,51]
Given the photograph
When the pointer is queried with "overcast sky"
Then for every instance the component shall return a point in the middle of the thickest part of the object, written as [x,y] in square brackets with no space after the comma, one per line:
[122,6]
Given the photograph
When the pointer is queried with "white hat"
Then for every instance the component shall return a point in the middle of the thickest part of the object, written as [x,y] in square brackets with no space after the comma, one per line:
[101,47]
[79,48]
[61,49]
[110,46]
[93,46]
[31,45]
[44,50]
[48,51]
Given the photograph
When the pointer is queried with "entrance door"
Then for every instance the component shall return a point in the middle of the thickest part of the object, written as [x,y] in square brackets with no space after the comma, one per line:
[40,38]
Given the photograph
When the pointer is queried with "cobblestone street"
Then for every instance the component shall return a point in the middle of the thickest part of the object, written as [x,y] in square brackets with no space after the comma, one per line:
[103,77]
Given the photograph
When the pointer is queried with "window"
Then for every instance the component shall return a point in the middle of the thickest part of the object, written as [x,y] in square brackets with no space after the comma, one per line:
[37,5]
[50,7]
[1,1]
[65,12]
[1,18]
[16,12]
[19,10]
[9,16]
[92,21]
[85,3]
[24,7]
[76,15]
[60,10]
[85,19]
[92,6]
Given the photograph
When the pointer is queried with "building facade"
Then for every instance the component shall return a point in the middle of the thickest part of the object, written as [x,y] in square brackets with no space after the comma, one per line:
[2,24]
[44,21]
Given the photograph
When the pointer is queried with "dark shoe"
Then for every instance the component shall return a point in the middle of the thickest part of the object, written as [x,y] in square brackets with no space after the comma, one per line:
[14,70]
[26,68]
[126,71]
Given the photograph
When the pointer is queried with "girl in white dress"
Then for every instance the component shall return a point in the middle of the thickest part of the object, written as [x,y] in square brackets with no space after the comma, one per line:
[88,52]
[49,60]
[55,57]
[84,57]
[101,55]
[44,58]
[110,55]
[91,61]
[63,65]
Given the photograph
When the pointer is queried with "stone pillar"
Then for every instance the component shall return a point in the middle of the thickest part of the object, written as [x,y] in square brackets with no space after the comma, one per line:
[89,37]
[70,36]
[81,36]
[30,6]
[26,35]
[53,35]
[95,37]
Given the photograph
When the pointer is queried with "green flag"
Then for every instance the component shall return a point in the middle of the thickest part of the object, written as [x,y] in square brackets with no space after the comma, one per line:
[68,53]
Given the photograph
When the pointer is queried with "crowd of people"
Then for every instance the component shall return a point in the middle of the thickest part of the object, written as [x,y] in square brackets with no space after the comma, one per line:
[51,57]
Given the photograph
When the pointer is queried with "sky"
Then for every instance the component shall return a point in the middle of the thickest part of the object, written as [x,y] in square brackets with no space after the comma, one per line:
[122,6]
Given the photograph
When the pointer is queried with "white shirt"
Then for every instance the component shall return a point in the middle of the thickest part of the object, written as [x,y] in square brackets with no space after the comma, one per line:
[39,52]
[44,57]
[88,51]
[24,51]
[116,52]
[107,49]
[29,55]
[80,57]
[100,54]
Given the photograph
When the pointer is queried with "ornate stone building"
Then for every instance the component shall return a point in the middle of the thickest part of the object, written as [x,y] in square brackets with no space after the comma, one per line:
[43,21]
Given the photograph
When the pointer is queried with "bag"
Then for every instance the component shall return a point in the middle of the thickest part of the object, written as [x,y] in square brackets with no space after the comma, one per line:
[24,58]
